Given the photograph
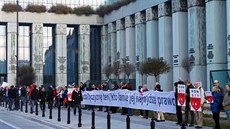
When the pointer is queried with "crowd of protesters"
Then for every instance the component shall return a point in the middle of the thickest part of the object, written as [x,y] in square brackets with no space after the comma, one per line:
[54,96]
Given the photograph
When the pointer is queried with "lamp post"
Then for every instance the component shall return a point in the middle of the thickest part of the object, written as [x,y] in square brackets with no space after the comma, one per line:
[17,35]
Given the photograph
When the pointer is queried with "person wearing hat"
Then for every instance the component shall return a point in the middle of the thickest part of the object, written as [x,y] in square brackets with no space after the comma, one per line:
[216,94]
[217,84]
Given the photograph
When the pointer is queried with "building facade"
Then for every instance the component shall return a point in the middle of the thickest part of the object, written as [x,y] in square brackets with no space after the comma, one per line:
[66,49]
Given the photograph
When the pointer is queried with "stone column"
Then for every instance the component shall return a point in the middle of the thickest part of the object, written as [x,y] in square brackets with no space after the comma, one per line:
[152,39]
[140,42]
[197,40]
[120,55]
[61,55]
[12,53]
[180,39]
[37,52]
[104,50]
[112,42]
[130,42]
[216,32]
[165,43]
[84,53]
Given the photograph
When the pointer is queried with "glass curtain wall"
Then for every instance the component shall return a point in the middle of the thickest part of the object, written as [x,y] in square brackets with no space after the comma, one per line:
[49,56]
[24,46]
[95,54]
[72,55]
[3,53]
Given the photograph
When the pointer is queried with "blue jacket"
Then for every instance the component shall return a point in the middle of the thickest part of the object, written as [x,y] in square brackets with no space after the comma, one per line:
[216,102]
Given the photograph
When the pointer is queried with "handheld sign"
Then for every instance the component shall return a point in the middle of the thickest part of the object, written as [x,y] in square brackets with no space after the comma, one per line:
[195,100]
[70,91]
[181,97]
[208,97]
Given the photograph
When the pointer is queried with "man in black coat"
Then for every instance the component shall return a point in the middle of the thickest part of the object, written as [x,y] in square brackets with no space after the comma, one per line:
[11,96]
[34,98]
[77,98]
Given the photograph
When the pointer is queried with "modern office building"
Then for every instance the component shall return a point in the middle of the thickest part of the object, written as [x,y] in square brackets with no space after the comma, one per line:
[64,49]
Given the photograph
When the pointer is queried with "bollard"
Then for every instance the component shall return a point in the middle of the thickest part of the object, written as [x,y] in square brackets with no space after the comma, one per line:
[79,117]
[108,121]
[68,114]
[21,106]
[3,103]
[183,126]
[43,109]
[59,110]
[93,120]
[6,104]
[127,122]
[50,117]
[36,108]
[152,124]
[26,107]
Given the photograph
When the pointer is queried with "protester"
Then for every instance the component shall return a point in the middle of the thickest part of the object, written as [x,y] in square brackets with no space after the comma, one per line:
[77,98]
[142,90]
[226,102]
[187,106]
[50,97]
[160,115]
[113,109]
[199,114]
[23,95]
[11,97]
[124,109]
[178,108]
[6,95]
[65,96]
[42,97]
[105,87]
[34,97]
[216,95]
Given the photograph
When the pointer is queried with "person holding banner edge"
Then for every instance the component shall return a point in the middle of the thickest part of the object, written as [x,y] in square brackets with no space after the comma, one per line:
[226,102]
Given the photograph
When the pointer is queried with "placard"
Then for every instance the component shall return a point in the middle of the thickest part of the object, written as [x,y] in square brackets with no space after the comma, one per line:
[181,97]
[70,91]
[208,97]
[195,100]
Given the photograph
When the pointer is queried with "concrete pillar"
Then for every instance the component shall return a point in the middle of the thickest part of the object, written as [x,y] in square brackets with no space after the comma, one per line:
[197,40]
[140,43]
[84,53]
[165,43]
[120,54]
[130,42]
[37,52]
[61,55]
[104,49]
[152,39]
[180,39]
[112,42]
[11,53]
[216,32]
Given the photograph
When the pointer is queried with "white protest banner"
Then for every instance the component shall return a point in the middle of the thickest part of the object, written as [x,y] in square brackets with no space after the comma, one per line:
[208,97]
[181,96]
[70,91]
[150,100]
[195,100]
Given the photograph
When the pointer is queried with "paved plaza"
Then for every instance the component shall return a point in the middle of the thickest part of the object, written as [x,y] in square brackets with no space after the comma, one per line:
[22,120]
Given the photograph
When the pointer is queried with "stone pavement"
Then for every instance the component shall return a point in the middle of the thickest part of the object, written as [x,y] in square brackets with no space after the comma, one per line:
[22,120]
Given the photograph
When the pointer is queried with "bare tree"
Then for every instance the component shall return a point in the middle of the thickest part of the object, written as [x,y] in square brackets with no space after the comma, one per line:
[155,67]
[128,69]
[107,70]
[187,65]
[26,75]
[142,70]
[116,69]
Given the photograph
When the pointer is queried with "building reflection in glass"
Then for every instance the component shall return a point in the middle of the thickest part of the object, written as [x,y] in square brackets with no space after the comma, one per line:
[24,46]
[72,55]
[3,53]
[49,56]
